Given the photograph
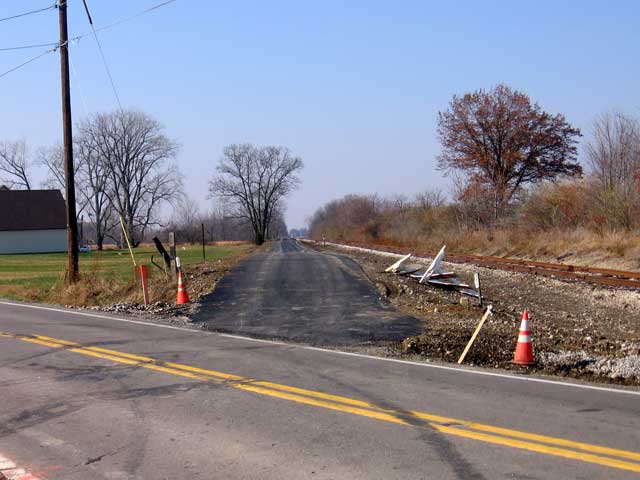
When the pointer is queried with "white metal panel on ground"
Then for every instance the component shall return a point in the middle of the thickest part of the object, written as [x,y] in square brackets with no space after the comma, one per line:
[33,241]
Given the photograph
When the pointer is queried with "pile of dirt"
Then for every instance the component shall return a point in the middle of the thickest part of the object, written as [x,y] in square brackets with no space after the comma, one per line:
[578,330]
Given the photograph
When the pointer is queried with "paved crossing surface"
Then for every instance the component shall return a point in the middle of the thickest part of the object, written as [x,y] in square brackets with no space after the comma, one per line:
[295,293]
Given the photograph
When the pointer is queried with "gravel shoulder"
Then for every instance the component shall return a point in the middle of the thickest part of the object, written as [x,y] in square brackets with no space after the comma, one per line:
[578,330]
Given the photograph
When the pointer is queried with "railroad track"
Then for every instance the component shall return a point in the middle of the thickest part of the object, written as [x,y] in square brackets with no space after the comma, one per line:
[599,276]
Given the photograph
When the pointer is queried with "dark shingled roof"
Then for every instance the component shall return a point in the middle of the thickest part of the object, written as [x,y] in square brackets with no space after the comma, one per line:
[32,210]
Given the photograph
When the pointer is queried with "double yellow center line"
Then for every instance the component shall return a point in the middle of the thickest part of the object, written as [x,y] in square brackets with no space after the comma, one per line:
[610,457]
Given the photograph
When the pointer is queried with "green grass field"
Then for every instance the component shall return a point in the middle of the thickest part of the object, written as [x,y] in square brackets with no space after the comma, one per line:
[37,277]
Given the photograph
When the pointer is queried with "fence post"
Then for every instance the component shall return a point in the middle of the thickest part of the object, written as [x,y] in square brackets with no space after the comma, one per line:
[145,287]
[172,253]
[476,281]
[204,257]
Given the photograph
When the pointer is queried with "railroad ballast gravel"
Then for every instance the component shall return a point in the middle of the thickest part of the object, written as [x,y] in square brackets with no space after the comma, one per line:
[578,329]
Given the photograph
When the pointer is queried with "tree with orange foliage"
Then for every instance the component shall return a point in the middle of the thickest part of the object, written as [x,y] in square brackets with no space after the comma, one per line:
[502,140]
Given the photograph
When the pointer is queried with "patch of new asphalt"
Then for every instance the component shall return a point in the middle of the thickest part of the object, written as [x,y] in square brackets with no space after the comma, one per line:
[290,292]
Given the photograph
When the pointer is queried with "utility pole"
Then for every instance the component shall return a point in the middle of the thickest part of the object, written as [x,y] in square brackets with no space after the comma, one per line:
[72,223]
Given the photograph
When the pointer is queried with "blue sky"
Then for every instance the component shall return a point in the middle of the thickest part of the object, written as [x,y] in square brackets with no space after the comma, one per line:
[352,87]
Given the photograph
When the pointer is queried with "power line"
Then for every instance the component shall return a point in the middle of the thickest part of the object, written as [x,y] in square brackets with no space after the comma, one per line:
[121,21]
[33,59]
[143,12]
[106,27]
[50,7]
[100,29]
[24,47]
[104,59]
[77,38]
[76,77]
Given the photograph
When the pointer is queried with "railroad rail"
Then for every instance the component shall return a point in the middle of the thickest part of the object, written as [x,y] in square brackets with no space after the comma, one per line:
[599,276]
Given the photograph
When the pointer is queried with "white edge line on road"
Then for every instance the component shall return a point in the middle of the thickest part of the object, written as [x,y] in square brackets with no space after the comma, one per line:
[106,317]
[337,352]
[262,340]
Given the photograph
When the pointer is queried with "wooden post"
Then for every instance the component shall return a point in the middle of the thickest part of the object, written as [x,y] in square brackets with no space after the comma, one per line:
[475,334]
[204,256]
[172,253]
[126,237]
[145,288]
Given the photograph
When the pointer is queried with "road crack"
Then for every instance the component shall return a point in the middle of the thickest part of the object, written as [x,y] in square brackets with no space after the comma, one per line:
[94,459]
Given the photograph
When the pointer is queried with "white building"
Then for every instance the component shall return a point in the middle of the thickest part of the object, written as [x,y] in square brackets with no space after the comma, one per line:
[32,221]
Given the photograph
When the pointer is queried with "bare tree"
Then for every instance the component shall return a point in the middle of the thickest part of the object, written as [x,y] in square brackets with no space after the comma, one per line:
[52,159]
[135,153]
[214,223]
[186,220]
[474,205]
[15,164]
[277,227]
[503,141]
[255,181]
[614,151]
[94,187]
[430,199]
[614,157]
[349,217]
[220,224]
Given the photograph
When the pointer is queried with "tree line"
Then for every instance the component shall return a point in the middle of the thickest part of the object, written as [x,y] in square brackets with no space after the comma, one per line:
[190,223]
[126,173]
[513,165]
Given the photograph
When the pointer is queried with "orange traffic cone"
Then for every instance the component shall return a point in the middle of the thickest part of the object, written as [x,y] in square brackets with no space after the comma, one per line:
[524,349]
[183,296]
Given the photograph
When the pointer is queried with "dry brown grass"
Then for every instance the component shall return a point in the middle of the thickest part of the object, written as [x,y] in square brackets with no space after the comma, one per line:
[618,250]
[106,277]
[575,222]
[95,290]
[580,246]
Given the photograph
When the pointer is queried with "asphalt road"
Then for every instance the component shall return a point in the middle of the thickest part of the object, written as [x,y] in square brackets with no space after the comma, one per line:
[85,396]
[294,293]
